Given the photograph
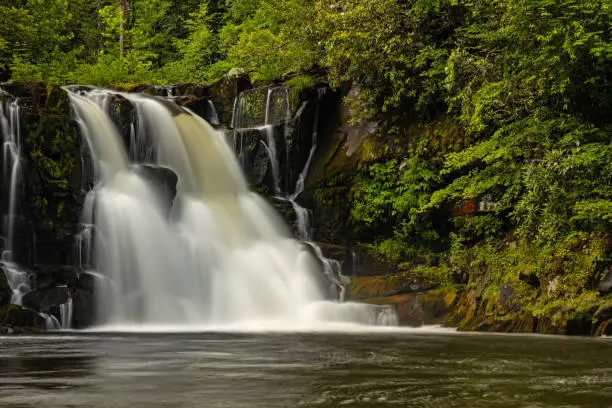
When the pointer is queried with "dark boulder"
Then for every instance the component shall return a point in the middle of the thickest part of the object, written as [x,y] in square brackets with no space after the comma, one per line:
[164,181]
[83,314]
[45,301]
[5,290]
[17,316]
[50,276]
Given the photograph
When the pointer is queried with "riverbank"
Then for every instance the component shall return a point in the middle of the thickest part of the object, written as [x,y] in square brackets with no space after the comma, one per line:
[471,308]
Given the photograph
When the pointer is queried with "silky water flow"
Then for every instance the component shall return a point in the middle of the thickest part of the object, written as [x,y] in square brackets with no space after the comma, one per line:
[221,258]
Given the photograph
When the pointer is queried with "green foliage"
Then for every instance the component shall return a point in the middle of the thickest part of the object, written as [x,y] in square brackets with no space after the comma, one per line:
[163,41]
[391,197]
[277,39]
[514,56]
[526,82]
[556,283]
[109,69]
[301,82]
[196,51]
[396,52]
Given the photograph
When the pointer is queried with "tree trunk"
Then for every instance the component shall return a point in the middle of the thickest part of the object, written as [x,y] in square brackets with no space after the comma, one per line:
[124,8]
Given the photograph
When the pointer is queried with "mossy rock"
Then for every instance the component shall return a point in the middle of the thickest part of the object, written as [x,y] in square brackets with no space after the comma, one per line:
[378,286]
[223,93]
[419,309]
[52,147]
[602,320]
[374,287]
[16,316]
[581,323]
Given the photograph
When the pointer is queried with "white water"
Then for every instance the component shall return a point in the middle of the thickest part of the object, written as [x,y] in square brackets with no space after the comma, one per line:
[214,116]
[275,116]
[223,258]
[66,314]
[18,279]
[303,214]
[51,322]
[11,147]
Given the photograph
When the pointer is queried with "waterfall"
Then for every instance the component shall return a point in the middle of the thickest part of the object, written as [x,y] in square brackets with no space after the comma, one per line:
[303,214]
[222,255]
[19,280]
[66,314]
[277,111]
[212,113]
[11,174]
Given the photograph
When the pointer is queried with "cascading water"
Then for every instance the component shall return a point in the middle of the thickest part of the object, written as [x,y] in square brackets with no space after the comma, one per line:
[66,314]
[214,116]
[12,167]
[19,280]
[303,214]
[223,256]
[277,112]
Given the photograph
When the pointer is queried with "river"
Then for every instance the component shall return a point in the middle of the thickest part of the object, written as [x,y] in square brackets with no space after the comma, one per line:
[382,369]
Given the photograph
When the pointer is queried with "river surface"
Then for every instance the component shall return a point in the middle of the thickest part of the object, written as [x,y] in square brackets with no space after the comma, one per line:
[388,369]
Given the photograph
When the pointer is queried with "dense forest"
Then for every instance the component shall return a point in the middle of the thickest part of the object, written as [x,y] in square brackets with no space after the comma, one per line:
[499,111]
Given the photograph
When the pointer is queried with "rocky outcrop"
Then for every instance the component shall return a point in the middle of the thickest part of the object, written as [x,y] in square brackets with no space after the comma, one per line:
[196,97]
[83,298]
[164,181]
[16,319]
[51,194]
[416,305]
[46,300]
[5,291]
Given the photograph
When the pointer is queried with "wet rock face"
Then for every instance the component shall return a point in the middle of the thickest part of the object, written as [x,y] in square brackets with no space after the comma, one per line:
[164,180]
[50,196]
[415,303]
[17,316]
[50,276]
[82,294]
[420,309]
[254,159]
[196,96]
[5,291]
[223,93]
[47,300]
